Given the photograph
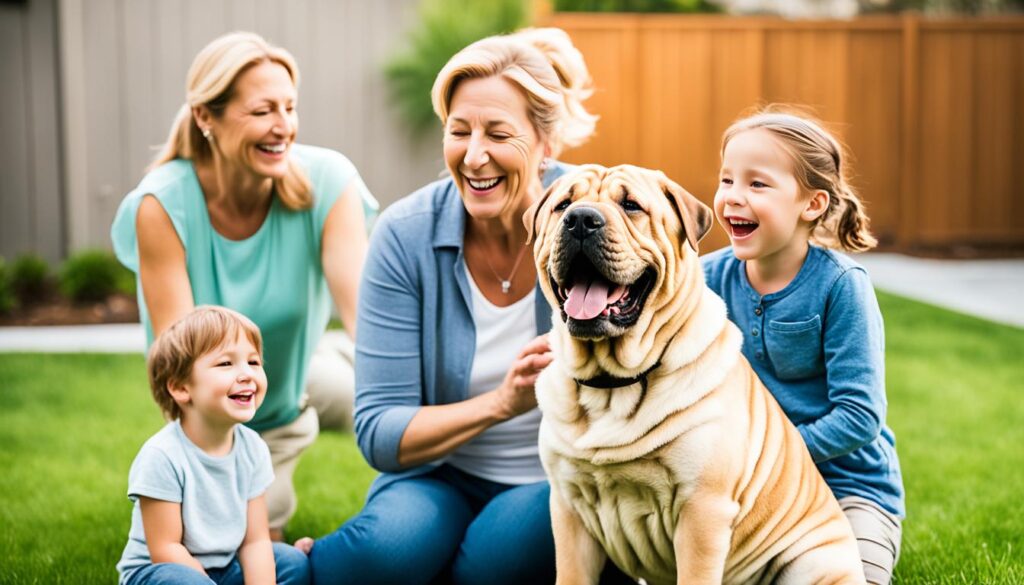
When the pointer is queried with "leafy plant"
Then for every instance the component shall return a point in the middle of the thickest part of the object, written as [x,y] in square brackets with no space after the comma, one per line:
[29,274]
[635,6]
[7,298]
[446,26]
[93,275]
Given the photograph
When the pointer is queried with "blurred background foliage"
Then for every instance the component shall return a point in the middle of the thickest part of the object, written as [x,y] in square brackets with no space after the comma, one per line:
[635,6]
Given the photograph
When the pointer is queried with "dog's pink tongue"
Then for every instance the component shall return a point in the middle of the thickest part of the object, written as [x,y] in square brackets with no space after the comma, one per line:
[587,300]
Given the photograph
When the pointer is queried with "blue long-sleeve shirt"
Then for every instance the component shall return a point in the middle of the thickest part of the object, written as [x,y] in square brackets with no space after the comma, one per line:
[819,347]
[417,339]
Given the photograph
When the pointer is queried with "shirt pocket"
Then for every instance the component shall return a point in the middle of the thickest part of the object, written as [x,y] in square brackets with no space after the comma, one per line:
[794,348]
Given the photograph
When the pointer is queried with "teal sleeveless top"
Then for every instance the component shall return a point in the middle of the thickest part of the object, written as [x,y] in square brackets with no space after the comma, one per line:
[274,277]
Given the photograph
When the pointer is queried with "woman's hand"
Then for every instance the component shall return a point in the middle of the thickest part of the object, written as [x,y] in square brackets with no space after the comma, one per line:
[516,394]
[435,431]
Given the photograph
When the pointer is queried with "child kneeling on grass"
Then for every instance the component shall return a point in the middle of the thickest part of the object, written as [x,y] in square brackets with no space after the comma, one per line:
[198,483]
[812,329]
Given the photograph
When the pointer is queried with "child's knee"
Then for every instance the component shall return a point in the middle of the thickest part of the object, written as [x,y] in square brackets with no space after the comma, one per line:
[292,565]
[168,574]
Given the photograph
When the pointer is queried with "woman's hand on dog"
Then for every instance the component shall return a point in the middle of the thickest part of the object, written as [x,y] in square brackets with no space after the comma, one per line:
[516,394]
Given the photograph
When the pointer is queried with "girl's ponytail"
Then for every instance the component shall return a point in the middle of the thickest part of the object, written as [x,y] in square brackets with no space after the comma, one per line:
[846,223]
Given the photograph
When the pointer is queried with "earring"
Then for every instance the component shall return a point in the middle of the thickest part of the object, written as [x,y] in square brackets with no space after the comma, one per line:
[543,167]
[207,135]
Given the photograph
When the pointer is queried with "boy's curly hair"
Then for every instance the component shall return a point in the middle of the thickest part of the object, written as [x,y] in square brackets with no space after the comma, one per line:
[176,350]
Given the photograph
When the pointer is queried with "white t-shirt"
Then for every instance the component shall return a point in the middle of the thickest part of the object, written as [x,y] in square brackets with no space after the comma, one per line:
[507,452]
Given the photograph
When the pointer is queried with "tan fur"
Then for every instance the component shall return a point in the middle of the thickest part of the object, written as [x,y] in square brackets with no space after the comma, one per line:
[700,478]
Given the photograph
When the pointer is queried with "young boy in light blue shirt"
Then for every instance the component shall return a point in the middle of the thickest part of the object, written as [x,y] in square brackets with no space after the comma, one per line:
[197,485]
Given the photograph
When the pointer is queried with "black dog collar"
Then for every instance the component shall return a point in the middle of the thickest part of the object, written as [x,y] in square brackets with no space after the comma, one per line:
[608,382]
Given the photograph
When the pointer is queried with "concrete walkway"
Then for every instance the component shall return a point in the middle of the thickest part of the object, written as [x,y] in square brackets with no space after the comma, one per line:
[990,289]
[119,338]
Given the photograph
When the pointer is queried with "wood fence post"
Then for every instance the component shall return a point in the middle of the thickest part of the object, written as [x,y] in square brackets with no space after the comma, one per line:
[908,197]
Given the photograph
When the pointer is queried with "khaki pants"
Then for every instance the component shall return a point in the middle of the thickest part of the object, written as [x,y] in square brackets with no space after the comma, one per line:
[330,390]
[331,381]
[286,444]
[878,537]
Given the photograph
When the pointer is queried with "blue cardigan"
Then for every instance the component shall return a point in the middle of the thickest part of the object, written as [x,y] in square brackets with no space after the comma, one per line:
[819,347]
[417,338]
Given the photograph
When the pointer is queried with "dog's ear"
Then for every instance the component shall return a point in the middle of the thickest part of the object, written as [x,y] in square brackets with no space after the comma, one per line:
[530,217]
[696,217]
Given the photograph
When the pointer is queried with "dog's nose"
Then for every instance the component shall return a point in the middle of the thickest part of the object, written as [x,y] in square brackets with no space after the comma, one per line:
[583,221]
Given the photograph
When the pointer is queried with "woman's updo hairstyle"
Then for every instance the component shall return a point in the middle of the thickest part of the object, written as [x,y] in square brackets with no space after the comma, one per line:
[211,82]
[545,65]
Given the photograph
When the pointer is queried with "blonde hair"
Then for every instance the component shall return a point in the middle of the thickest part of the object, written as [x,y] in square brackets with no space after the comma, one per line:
[818,164]
[543,63]
[210,82]
[176,350]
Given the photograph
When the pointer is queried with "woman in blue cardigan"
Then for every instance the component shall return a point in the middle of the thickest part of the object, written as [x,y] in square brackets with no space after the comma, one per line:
[452,335]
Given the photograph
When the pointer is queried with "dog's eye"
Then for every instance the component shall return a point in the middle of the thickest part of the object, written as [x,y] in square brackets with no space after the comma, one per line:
[563,205]
[630,205]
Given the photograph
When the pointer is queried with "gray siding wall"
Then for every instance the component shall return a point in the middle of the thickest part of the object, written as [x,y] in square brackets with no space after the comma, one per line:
[31,215]
[123,73]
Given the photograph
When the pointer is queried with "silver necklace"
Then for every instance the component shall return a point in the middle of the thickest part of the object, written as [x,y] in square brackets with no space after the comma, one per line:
[506,283]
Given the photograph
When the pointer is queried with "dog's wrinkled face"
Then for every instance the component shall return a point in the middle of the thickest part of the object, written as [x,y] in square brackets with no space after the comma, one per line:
[607,245]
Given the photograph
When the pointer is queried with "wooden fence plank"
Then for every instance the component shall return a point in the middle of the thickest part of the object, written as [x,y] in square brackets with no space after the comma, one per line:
[991,214]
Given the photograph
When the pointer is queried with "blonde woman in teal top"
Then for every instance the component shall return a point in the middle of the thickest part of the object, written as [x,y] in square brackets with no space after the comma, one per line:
[234,213]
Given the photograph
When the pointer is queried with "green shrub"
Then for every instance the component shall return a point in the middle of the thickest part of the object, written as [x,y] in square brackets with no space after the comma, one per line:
[446,26]
[29,274]
[7,298]
[635,6]
[93,275]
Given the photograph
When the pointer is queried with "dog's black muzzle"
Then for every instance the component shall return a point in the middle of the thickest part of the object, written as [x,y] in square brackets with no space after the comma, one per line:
[583,222]
[583,235]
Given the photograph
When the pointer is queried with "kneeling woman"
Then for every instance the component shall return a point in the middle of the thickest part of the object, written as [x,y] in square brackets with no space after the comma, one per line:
[451,335]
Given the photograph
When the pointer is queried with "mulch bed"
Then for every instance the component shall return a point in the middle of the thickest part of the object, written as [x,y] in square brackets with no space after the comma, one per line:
[56,310]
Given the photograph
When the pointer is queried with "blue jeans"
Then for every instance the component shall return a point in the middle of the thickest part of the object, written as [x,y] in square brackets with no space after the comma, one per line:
[445,526]
[292,569]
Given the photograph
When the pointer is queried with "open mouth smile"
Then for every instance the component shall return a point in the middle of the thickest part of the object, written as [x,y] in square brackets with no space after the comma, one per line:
[587,295]
[245,397]
[483,186]
[741,228]
[272,149]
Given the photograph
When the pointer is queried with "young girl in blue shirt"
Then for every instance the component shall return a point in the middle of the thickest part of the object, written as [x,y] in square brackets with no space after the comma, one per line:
[810,320]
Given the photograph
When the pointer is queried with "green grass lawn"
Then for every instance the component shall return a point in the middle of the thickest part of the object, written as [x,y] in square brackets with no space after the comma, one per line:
[71,424]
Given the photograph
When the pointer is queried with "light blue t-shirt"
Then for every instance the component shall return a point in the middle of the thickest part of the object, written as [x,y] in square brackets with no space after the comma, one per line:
[274,277]
[214,493]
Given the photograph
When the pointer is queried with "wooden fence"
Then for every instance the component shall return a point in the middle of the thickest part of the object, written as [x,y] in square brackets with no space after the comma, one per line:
[933,110]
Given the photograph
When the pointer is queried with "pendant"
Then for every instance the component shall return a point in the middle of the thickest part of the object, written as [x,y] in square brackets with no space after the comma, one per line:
[506,285]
